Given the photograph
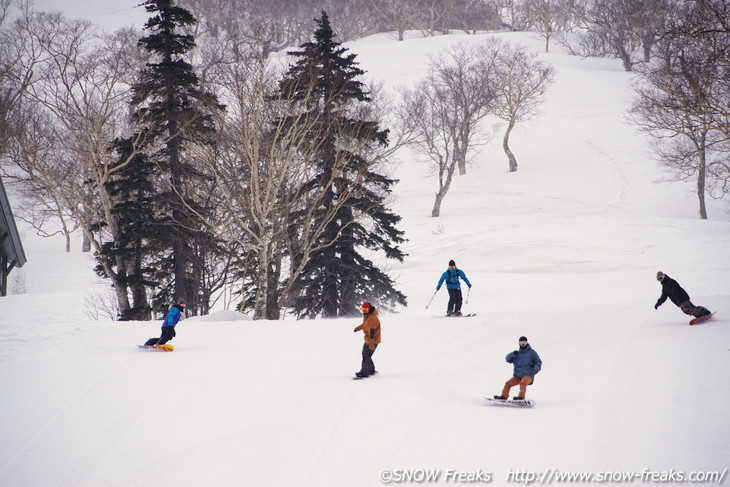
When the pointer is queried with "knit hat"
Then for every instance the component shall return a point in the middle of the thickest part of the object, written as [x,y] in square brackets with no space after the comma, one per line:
[452,263]
[181,301]
[523,339]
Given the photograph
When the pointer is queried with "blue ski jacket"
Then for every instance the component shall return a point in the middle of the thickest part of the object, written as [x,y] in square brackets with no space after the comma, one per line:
[524,362]
[452,279]
[173,316]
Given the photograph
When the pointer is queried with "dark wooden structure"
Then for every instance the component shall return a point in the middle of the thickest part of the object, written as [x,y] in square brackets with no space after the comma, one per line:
[11,250]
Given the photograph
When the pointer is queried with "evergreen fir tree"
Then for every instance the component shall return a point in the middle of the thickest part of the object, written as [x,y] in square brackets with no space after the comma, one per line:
[324,83]
[131,186]
[173,109]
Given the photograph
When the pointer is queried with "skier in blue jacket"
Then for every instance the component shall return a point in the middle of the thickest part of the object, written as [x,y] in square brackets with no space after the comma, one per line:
[526,363]
[168,325]
[452,276]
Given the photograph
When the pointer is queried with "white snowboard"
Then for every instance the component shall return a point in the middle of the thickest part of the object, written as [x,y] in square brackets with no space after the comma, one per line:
[520,403]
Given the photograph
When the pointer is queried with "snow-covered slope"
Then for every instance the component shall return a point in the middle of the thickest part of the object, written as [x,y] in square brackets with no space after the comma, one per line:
[564,251]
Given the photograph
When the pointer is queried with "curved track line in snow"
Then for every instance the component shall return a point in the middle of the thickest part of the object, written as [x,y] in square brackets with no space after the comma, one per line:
[328,434]
[46,426]
[623,178]
[112,435]
[436,367]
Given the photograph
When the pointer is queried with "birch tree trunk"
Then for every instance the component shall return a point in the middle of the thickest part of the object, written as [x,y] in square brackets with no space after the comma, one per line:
[443,190]
[701,181]
[505,145]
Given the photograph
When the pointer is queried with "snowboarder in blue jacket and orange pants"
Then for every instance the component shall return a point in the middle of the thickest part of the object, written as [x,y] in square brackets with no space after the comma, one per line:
[452,276]
[527,364]
[168,326]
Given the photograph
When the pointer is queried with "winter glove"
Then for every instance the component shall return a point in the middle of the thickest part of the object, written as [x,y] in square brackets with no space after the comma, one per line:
[469,286]
[534,372]
[515,353]
[656,306]
[438,287]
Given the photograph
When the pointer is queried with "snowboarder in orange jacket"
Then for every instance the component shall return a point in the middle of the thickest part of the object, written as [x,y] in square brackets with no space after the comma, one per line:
[371,329]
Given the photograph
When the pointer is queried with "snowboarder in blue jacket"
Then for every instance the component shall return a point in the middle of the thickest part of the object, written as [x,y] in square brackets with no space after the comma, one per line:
[168,325]
[452,276]
[526,363]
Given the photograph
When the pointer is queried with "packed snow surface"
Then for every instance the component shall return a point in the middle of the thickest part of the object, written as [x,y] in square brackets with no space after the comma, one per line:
[563,251]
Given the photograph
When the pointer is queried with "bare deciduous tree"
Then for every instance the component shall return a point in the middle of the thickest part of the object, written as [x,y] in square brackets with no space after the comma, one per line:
[683,97]
[513,13]
[74,105]
[263,166]
[520,81]
[259,171]
[35,139]
[553,17]
[13,79]
[626,29]
[672,108]
[396,15]
[275,25]
[444,111]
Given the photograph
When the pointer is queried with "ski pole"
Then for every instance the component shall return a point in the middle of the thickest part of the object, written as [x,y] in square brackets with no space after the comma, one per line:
[434,295]
[467,295]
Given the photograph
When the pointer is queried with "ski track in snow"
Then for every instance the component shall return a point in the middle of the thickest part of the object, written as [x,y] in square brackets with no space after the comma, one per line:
[114,432]
[323,443]
[47,426]
[616,166]
[417,402]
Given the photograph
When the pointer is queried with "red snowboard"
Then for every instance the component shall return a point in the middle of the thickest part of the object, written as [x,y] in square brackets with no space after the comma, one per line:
[699,320]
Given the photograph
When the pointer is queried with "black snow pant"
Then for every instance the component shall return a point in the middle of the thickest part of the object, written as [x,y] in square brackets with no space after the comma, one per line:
[168,332]
[368,367]
[455,300]
[690,309]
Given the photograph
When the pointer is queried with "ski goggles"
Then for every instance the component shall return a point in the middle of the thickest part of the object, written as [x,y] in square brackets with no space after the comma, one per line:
[523,343]
[365,309]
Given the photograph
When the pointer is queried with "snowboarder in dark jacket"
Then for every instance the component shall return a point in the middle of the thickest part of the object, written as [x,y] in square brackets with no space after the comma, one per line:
[452,276]
[526,364]
[672,290]
[168,326]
